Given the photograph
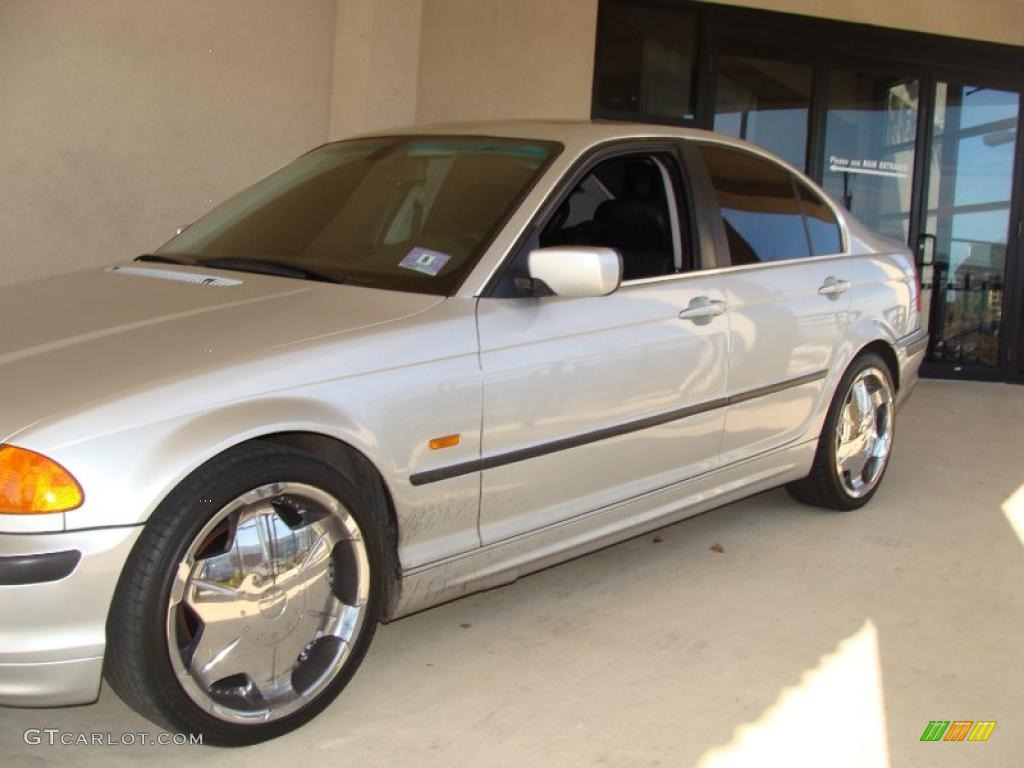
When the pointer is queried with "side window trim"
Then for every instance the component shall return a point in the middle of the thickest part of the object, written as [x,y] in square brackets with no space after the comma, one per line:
[826,201]
[705,215]
[803,214]
[674,213]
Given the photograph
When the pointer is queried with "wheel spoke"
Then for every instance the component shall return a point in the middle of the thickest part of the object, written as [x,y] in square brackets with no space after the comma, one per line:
[317,558]
[849,455]
[219,653]
[878,399]
[863,399]
[181,577]
[264,526]
[275,682]
[213,587]
[854,463]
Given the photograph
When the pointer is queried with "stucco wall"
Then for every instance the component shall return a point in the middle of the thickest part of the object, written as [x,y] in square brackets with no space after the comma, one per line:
[376,62]
[120,119]
[498,58]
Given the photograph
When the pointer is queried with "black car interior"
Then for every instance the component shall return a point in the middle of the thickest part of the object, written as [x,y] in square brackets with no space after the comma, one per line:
[620,204]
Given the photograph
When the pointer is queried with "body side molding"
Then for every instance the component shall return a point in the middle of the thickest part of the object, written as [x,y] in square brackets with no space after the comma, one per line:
[522,454]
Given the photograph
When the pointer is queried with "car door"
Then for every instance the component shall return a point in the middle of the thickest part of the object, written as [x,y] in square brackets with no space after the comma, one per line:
[786,288]
[591,401]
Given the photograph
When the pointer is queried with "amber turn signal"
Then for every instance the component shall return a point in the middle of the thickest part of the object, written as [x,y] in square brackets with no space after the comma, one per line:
[31,484]
[445,442]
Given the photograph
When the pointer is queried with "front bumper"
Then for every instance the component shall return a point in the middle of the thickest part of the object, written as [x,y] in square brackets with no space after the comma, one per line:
[910,352]
[53,613]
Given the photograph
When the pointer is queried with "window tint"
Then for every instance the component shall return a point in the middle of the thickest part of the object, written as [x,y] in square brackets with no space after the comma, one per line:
[408,214]
[623,204]
[759,206]
[822,227]
[646,58]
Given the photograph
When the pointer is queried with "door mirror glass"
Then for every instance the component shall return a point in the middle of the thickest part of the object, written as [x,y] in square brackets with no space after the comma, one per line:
[577,272]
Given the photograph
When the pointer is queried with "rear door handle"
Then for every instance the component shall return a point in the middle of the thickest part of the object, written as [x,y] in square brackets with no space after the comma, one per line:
[702,309]
[834,287]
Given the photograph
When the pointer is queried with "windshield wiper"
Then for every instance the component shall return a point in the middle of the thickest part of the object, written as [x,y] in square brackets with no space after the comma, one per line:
[267,267]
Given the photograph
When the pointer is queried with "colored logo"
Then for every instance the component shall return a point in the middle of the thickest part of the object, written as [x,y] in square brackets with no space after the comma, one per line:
[958,730]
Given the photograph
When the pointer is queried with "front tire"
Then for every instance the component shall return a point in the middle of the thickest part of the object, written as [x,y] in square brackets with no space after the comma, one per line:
[250,598]
[856,440]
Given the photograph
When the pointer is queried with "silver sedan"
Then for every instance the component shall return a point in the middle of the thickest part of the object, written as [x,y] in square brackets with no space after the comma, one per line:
[410,366]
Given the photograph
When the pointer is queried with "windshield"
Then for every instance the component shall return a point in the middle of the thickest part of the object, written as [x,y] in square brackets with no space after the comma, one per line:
[407,214]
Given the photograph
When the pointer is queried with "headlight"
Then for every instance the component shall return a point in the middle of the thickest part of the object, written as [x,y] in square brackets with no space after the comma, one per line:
[31,484]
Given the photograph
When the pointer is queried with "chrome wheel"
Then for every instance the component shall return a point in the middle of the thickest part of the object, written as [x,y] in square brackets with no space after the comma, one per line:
[864,432]
[267,603]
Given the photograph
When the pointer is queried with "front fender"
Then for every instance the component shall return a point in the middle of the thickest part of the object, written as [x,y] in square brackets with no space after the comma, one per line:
[388,416]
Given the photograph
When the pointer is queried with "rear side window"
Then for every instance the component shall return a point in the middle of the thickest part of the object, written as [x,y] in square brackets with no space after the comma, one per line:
[822,227]
[762,215]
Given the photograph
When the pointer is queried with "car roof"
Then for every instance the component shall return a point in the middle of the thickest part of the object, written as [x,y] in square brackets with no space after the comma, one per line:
[577,135]
[564,131]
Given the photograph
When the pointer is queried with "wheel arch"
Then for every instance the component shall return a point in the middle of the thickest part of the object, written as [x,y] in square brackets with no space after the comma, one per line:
[885,351]
[194,445]
[339,454]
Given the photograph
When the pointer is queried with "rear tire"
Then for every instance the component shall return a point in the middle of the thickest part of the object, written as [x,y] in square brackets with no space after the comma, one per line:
[856,440]
[250,598]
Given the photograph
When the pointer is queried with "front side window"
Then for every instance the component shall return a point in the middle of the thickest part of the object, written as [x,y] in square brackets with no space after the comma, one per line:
[627,203]
[757,199]
[408,214]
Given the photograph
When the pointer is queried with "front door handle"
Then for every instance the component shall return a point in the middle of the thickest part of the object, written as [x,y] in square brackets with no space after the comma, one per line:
[702,309]
[834,287]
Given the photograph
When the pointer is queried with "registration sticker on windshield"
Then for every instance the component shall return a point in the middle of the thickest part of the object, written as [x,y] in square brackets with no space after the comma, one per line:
[426,261]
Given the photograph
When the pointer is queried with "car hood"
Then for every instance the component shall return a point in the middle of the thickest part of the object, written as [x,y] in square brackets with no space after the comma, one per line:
[91,336]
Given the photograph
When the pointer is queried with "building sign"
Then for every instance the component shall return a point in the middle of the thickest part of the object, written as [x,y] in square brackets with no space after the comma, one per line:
[868,167]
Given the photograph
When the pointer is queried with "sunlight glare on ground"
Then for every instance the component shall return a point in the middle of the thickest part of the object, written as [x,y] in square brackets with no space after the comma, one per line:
[1013,508]
[833,717]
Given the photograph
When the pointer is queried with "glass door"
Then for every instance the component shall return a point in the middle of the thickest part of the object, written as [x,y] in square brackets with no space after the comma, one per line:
[965,246]
[870,147]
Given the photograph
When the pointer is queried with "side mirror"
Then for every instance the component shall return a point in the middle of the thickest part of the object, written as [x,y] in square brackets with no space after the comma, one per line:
[576,271]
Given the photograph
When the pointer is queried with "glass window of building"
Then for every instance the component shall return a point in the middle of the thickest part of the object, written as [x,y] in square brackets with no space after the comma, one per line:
[870,141]
[968,198]
[766,102]
[647,60]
